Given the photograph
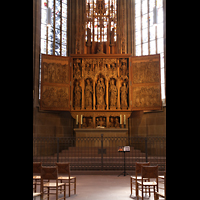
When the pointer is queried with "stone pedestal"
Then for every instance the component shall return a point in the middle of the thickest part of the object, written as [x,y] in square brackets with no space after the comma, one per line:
[91,137]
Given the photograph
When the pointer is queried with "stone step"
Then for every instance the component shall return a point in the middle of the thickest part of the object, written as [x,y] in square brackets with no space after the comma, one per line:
[116,153]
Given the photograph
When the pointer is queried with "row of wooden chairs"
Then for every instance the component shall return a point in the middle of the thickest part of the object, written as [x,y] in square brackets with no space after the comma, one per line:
[143,173]
[59,173]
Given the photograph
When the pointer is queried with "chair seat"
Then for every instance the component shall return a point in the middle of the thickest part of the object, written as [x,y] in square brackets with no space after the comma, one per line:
[36,194]
[138,178]
[53,184]
[147,183]
[36,177]
[65,178]
[161,194]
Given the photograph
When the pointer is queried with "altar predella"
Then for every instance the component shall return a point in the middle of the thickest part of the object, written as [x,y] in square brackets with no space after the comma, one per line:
[100,85]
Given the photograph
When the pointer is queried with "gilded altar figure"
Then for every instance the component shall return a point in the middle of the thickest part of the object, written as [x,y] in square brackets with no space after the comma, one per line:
[117,125]
[113,93]
[77,92]
[88,94]
[84,123]
[111,123]
[100,91]
[101,122]
[124,69]
[124,92]
[77,71]
[90,123]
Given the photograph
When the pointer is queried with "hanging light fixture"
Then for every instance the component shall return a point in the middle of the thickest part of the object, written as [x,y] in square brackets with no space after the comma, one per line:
[48,17]
[155,16]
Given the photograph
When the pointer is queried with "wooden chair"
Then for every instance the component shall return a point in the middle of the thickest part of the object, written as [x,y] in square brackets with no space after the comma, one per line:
[36,196]
[161,194]
[134,179]
[64,175]
[148,172]
[36,174]
[51,173]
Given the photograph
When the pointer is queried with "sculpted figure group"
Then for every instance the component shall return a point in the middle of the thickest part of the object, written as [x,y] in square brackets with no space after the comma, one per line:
[101,122]
[102,83]
[100,94]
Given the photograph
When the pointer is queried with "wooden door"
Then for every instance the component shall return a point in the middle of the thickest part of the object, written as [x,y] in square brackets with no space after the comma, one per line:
[55,83]
[145,83]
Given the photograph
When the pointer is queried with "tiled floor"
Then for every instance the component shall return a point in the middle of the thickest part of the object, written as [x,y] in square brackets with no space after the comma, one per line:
[102,187]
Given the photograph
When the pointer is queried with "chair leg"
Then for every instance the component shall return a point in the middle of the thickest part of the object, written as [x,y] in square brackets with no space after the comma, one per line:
[48,194]
[65,191]
[131,184]
[136,186]
[149,189]
[74,185]
[155,196]
[56,193]
[142,191]
[69,187]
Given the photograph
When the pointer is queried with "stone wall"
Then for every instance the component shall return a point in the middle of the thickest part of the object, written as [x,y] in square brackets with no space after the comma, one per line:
[148,124]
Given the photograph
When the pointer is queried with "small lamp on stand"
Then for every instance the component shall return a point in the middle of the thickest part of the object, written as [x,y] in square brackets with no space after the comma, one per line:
[48,17]
[155,18]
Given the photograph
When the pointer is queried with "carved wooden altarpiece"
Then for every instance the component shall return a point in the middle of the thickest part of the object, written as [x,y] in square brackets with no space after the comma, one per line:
[101,89]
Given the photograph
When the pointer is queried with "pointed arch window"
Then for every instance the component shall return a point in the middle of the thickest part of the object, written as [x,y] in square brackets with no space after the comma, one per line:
[54,38]
[149,38]
[101,15]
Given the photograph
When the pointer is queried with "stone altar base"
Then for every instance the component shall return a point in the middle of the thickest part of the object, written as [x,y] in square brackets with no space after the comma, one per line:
[91,137]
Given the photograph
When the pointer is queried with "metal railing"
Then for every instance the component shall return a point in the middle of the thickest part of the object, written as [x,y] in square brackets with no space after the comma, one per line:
[99,153]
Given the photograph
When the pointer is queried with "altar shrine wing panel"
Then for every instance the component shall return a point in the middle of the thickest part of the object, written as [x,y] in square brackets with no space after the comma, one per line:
[55,83]
[145,83]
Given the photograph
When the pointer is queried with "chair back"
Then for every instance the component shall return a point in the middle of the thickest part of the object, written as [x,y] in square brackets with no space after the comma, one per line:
[63,168]
[165,184]
[138,168]
[150,171]
[37,168]
[49,173]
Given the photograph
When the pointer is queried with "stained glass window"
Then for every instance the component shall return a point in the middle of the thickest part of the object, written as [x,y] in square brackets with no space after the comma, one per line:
[148,37]
[54,39]
[109,20]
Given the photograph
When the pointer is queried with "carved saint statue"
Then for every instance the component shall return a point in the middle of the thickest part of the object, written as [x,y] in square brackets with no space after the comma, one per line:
[113,93]
[117,125]
[88,94]
[124,69]
[100,91]
[101,122]
[77,72]
[90,123]
[77,91]
[124,92]
[84,123]
[111,123]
